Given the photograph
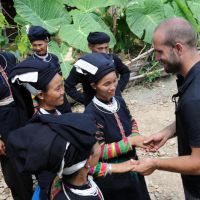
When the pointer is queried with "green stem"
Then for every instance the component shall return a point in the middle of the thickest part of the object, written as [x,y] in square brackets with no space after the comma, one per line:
[183,7]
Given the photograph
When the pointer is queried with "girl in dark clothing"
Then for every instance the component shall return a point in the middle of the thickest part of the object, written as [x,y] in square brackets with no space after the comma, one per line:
[117,133]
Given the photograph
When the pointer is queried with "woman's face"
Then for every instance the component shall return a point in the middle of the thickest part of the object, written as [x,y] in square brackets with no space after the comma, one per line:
[106,87]
[54,96]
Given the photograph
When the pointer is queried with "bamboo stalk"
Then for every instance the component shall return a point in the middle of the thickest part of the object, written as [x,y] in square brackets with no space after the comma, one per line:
[145,74]
[142,55]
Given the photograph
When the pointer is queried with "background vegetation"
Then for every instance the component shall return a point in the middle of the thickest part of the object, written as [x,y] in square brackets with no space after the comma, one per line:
[129,23]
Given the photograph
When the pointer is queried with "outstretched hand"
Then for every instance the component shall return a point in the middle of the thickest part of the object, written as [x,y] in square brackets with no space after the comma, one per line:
[145,166]
[156,141]
[159,139]
[124,166]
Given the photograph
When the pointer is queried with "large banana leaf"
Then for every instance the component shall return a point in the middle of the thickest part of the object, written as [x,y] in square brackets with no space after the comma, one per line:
[76,34]
[142,18]
[49,14]
[61,52]
[91,5]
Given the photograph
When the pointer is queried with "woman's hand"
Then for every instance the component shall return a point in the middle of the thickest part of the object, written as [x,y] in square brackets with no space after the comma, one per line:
[124,166]
[138,141]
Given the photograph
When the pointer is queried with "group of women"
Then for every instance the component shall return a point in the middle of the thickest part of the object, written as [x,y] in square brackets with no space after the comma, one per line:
[86,155]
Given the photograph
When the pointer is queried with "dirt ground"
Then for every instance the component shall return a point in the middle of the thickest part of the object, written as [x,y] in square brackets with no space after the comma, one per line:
[153,110]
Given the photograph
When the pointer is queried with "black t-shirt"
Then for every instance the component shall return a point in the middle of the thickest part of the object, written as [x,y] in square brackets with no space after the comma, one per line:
[188,123]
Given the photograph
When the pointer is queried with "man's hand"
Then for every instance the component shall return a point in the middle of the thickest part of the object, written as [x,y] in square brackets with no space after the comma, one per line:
[145,166]
[159,139]
[2,148]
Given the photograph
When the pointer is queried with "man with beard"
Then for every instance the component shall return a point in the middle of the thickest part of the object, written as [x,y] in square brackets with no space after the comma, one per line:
[175,44]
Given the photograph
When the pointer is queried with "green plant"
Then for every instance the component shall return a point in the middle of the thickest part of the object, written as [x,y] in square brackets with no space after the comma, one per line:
[3,24]
[129,23]
[150,71]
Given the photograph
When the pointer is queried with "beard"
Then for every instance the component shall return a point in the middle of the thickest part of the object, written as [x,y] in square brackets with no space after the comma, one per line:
[173,65]
[173,68]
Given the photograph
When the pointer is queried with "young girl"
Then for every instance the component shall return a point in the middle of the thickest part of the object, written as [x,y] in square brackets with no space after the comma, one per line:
[117,133]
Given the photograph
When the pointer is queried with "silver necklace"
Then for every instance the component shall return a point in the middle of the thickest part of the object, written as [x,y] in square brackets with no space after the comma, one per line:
[92,191]
[43,57]
[108,108]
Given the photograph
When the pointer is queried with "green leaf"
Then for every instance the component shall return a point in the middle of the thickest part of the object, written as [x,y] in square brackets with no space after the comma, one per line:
[177,11]
[3,39]
[3,21]
[49,14]
[22,41]
[142,18]
[169,11]
[76,34]
[195,8]
[106,29]
[61,52]
[20,20]
[91,5]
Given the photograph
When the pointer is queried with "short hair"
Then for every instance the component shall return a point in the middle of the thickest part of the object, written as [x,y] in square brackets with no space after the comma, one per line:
[178,30]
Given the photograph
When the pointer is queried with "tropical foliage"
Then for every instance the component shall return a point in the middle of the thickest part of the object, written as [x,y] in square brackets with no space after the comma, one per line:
[129,23]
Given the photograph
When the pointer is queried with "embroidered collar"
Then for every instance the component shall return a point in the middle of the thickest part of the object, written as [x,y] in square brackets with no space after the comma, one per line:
[92,191]
[113,107]
[43,111]
[44,58]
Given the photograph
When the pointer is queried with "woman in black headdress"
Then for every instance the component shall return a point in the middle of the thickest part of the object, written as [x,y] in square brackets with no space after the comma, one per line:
[39,39]
[118,132]
[44,82]
[57,144]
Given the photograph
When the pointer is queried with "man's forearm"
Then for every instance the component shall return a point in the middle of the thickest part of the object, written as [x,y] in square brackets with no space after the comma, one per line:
[170,130]
[189,165]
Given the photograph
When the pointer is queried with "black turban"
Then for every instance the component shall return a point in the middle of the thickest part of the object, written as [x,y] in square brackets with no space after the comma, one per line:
[46,72]
[101,61]
[41,144]
[38,33]
[98,38]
